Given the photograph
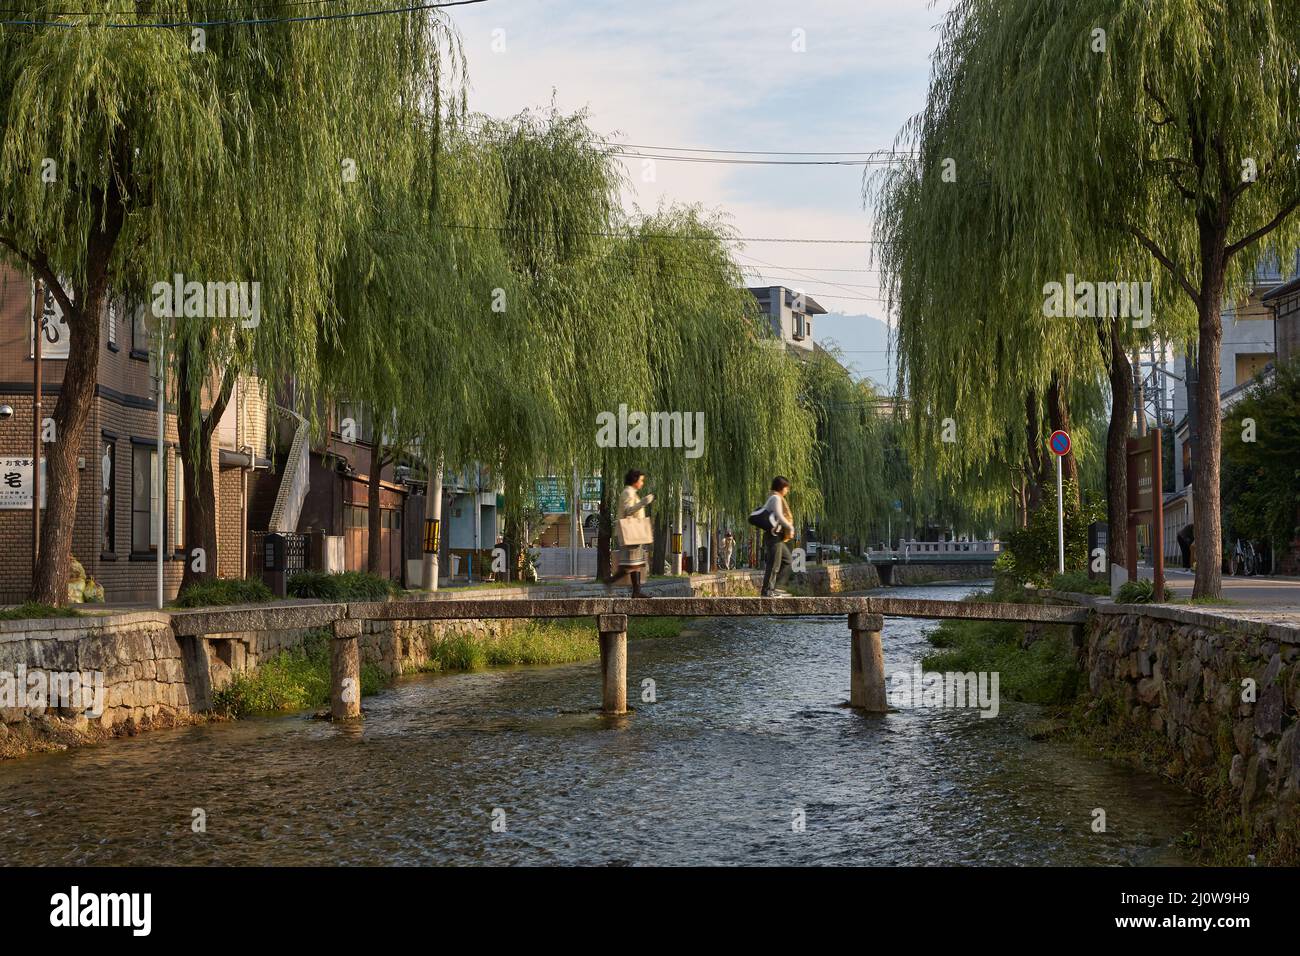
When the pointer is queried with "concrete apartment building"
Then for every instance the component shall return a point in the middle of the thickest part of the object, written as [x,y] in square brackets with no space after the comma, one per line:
[1284,302]
[117,534]
[790,314]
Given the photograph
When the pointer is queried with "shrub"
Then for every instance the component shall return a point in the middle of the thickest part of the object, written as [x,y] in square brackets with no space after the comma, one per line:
[1045,672]
[220,591]
[293,680]
[1030,555]
[347,586]
[1141,592]
[1078,582]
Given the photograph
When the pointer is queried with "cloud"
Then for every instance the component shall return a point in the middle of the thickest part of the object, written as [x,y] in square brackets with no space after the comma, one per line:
[726,75]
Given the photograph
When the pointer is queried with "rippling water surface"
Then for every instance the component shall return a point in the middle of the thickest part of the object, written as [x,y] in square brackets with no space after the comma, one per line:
[746,731]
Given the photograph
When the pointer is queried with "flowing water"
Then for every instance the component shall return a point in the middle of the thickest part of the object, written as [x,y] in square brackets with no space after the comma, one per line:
[747,738]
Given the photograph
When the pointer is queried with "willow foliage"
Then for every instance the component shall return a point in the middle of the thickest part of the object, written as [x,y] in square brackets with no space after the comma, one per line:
[131,155]
[1155,140]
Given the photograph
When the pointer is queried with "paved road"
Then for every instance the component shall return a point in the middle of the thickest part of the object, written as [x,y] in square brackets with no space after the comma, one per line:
[1257,591]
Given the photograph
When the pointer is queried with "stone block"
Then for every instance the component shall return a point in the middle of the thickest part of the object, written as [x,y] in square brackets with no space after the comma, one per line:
[52,655]
[1268,712]
[1149,690]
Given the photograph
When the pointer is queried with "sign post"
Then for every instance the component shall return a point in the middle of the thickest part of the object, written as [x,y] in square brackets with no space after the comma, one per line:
[1059,442]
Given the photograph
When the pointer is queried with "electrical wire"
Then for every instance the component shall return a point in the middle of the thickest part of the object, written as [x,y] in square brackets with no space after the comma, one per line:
[313,18]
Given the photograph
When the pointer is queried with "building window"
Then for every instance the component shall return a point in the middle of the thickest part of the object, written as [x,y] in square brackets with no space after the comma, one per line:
[139,332]
[144,498]
[354,423]
[108,496]
[178,506]
[112,324]
[357,517]
[799,325]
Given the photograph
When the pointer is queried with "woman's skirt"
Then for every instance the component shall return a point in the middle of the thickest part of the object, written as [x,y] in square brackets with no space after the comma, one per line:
[632,558]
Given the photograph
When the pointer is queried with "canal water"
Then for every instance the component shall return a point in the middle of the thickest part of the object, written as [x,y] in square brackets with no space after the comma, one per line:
[746,740]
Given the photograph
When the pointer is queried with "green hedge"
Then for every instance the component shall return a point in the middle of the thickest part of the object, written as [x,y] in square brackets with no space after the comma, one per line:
[220,591]
[347,586]
[1078,582]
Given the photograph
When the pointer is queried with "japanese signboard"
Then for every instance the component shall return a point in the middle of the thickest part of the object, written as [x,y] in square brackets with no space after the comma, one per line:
[1141,473]
[1146,505]
[551,496]
[54,331]
[16,483]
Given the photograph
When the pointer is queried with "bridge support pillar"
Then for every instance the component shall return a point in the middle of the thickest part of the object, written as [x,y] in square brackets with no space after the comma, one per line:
[613,662]
[867,670]
[345,670]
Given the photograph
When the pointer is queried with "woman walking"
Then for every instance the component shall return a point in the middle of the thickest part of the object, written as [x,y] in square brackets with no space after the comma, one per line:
[777,553]
[633,542]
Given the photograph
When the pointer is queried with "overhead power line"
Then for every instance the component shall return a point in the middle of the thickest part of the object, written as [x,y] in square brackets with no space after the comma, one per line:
[726,161]
[669,236]
[771,152]
[238,22]
[873,155]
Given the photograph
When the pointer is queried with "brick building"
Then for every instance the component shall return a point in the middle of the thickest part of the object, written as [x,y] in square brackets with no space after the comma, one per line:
[116,535]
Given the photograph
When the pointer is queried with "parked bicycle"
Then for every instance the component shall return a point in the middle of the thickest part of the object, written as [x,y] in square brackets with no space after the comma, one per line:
[1245,559]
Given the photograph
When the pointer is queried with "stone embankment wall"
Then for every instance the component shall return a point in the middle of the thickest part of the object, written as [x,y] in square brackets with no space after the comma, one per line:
[1223,693]
[912,574]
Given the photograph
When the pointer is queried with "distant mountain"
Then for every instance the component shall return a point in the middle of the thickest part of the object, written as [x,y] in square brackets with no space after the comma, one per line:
[864,341]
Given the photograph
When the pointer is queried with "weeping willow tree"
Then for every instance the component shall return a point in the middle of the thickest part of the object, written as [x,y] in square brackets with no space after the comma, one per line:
[711,357]
[850,454]
[128,155]
[1158,139]
[985,373]
[547,191]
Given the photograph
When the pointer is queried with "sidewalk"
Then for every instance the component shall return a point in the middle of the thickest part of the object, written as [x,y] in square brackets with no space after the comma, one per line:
[1257,591]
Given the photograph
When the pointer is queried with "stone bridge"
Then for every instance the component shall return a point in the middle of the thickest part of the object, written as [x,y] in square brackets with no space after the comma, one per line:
[865,616]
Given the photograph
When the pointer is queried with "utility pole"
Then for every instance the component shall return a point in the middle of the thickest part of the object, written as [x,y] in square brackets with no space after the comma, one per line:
[38,333]
[160,491]
[432,512]
[1139,403]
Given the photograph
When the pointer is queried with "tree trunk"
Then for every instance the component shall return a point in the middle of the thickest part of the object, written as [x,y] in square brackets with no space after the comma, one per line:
[1121,407]
[660,550]
[1205,467]
[200,481]
[604,537]
[374,533]
[1034,449]
[1058,411]
[72,411]
[513,539]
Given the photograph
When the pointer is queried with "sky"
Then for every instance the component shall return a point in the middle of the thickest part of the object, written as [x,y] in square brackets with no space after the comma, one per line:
[756,75]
